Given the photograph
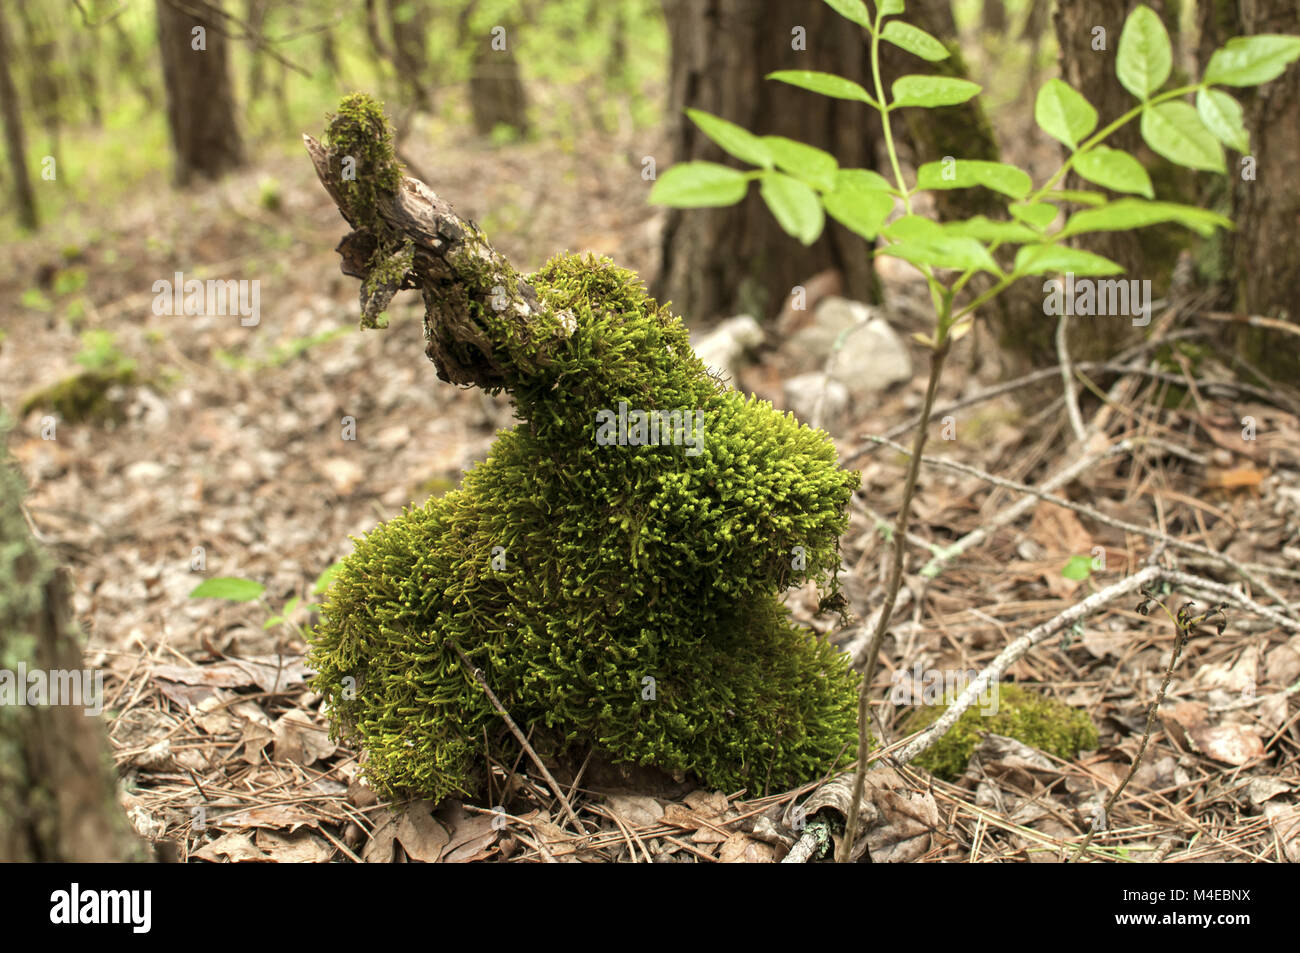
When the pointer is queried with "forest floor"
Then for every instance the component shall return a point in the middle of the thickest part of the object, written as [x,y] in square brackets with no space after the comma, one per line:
[229,460]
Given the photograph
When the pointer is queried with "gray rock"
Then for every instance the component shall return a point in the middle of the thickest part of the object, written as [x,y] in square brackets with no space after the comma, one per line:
[866,354]
[724,348]
[817,398]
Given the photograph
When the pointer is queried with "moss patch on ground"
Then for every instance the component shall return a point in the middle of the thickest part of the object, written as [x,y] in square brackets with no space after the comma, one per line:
[1036,720]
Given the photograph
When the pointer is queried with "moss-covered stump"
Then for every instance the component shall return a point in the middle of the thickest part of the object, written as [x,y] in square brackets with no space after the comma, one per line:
[1040,722]
[613,566]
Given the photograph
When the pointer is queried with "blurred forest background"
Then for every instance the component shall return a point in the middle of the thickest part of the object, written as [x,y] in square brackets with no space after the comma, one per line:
[160,449]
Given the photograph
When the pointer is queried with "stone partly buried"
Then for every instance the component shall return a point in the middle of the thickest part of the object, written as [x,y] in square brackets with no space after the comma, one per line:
[832,361]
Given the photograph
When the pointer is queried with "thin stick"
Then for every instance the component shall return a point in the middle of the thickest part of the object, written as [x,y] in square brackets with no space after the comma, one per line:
[1067,379]
[477,674]
[1100,517]
[937,357]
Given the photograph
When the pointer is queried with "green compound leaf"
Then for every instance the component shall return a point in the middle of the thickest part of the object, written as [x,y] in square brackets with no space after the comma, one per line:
[1063,113]
[987,230]
[915,40]
[812,165]
[1175,131]
[734,140]
[1251,60]
[861,211]
[944,251]
[1051,259]
[929,91]
[965,173]
[1145,56]
[1037,214]
[861,179]
[1125,214]
[1114,169]
[1077,196]
[699,185]
[828,84]
[853,10]
[1223,117]
[230,588]
[794,205]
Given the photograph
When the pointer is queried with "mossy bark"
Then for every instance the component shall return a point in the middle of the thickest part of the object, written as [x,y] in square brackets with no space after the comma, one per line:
[57,793]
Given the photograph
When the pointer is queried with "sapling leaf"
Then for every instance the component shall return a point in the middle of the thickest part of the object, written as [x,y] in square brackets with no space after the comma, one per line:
[861,179]
[1114,169]
[699,185]
[912,227]
[1222,115]
[326,577]
[1252,60]
[1124,214]
[943,251]
[1037,214]
[1077,568]
[861,211]
[734,140]
[854,10]
[230,588]
[928,91]
[1145,57]
[794,205]
[812,165]
[965,173]
[914,40]
[987,230]
[1175,131]
[1051,259]
[828,84]
[1063,113]
[890,7]
[1077,196]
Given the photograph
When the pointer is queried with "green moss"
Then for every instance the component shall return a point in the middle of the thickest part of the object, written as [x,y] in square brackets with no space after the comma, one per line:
[359,131]
[87,396]
[622,597]
[1040,722]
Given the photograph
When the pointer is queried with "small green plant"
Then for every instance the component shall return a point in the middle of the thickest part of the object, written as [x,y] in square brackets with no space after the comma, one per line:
[92,394]
[801,185]
[237,589]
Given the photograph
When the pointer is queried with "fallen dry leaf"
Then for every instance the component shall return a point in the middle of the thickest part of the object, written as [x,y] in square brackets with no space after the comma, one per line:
[420,834]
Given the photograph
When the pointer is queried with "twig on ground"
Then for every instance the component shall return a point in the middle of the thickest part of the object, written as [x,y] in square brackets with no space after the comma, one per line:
[477,674]
[1067,378]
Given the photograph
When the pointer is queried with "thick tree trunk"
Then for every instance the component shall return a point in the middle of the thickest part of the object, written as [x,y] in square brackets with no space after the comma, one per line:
[1259,263]
[717,262]
[409,20]
[57,791]
[200,99]
[496,93]
[15,139]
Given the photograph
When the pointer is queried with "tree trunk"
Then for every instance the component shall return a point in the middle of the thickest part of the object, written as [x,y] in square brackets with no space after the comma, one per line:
[717,262]
[496,93]
[57,790]
[1259,263]
[200,99]
[15,140]
[408,19]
